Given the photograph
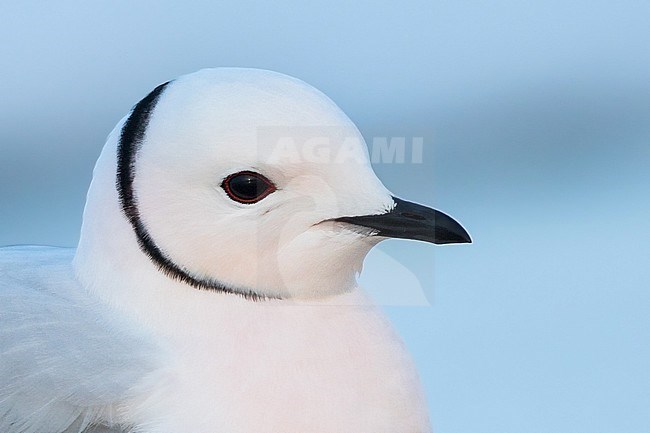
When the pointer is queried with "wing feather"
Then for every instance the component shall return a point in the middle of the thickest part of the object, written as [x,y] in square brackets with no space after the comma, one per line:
[66,360]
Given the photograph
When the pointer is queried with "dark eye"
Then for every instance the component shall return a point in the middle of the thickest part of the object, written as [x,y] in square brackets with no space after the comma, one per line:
[247,187]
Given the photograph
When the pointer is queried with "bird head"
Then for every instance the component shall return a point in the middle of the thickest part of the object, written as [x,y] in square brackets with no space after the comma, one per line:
[246,182]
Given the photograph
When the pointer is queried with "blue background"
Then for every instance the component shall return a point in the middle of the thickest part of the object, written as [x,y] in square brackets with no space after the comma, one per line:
[536,122]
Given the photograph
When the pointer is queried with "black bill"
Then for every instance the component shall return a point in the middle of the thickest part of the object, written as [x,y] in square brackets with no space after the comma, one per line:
[413,221]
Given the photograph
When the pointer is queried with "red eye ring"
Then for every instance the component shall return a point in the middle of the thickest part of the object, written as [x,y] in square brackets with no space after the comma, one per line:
[247,187]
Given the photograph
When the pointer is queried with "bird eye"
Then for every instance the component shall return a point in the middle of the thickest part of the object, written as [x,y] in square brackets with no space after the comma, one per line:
[247,187]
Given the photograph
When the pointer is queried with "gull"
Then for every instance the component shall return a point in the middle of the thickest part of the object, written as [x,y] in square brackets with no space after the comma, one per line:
[214,287]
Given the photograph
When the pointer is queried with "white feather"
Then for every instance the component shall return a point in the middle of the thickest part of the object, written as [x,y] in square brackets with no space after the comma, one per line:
[65,358]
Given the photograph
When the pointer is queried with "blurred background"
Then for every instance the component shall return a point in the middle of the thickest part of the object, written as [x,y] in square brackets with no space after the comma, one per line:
[535,117]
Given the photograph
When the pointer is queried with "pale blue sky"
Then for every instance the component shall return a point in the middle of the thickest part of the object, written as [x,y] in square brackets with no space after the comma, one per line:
[536,122]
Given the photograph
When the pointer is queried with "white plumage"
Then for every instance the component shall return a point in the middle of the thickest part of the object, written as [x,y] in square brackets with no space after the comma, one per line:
[185,310]
[66,359]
